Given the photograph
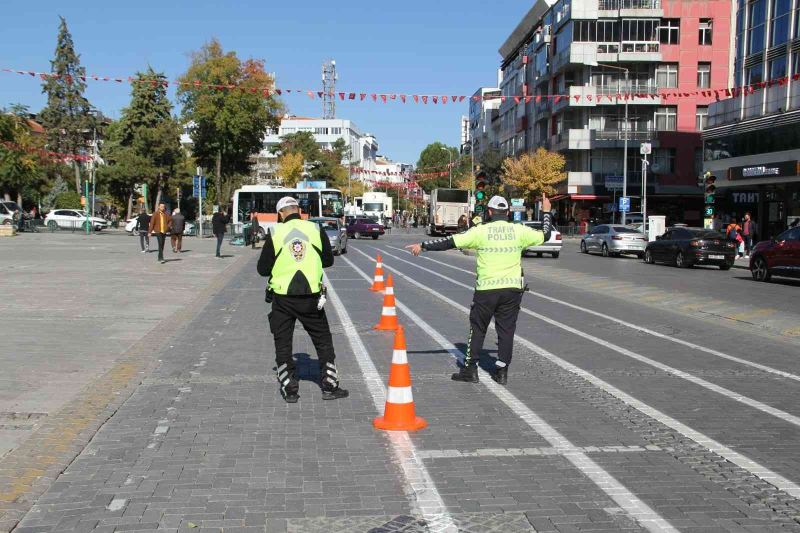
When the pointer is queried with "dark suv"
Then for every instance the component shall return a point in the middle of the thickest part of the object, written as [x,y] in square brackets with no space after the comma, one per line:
[778,257]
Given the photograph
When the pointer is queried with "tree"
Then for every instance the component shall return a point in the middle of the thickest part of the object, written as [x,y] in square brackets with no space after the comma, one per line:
[67,117]
[21,167]
[302,143]
[290,168]
[536,174]
[144,145]
[228,126]
[491,162]
[435,158]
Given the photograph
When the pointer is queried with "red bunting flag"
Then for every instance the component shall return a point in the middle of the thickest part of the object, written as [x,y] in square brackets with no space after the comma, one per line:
[403,98]
[435,99]
[351,96]
[416,98]
[383,97]
[461,98]
[363,96]
[310,95]
[424,99]
[374,97]
[444,99]
[341,96]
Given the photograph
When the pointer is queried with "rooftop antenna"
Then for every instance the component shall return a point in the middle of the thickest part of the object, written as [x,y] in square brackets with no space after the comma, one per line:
[329,78]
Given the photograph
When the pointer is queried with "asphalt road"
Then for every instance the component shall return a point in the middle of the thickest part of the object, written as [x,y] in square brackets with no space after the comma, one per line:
[630,406]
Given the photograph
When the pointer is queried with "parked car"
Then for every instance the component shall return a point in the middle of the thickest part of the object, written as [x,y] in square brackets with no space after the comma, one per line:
[337,235]
[7,212]
[130,227]
[364,227]
[777,257]
[552,247]
[685,247]
[614,240]
[73,219]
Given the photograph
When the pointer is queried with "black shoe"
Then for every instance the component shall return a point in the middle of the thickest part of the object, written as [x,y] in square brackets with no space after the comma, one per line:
[501,375]
[290,396]
[468,374]
[334,394]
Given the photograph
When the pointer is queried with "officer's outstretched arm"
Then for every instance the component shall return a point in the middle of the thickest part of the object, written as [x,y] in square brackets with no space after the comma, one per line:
[439,245]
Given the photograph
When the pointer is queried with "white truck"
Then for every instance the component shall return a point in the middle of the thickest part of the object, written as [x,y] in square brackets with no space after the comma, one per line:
[377,206]
[447,206]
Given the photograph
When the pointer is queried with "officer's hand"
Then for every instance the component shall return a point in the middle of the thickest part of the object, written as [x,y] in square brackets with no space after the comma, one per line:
[415,249]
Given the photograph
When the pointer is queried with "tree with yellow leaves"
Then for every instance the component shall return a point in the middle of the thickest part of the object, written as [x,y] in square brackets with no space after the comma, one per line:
[536,174]
[290,168]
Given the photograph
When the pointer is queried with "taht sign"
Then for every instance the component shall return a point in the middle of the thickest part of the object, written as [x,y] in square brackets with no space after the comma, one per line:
[768,170]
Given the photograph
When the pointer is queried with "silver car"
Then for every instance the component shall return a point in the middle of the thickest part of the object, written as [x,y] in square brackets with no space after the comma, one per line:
[337,233]
[614,240]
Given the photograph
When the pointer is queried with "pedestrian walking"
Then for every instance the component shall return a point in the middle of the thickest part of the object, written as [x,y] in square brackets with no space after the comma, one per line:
[219,221]
[178,226]
[143,227]
[749,232]
[500,282]
[254,227]
[293,257]
[734,234]
[160,225]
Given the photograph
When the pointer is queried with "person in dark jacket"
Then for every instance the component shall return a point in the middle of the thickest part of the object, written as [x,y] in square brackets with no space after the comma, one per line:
[178,225]
[143,227]
[218,225]
[294,255]
[160,225]
[254,227]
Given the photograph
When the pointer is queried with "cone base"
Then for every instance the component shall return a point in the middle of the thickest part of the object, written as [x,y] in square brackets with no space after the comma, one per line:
[415,424]
[386,327]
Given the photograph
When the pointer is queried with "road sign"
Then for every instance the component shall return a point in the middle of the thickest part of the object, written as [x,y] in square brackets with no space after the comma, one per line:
[198,186]
[645,149]
[625,204]
[517,216]
[614,183]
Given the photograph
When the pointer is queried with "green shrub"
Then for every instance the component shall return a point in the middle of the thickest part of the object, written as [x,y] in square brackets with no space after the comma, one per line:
[68,200]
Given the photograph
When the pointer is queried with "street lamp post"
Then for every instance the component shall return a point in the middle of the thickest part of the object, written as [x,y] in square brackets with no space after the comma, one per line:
[625,132]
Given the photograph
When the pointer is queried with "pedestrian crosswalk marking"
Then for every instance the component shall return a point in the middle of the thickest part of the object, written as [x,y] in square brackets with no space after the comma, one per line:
[545,450]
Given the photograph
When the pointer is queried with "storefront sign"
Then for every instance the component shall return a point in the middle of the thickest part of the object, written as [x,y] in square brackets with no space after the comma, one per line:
[745,197]
[769,170]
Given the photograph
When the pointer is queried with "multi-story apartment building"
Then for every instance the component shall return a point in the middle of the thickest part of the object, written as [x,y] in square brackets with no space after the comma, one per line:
[584,51]
[484,123]
[752,144]
[363,147]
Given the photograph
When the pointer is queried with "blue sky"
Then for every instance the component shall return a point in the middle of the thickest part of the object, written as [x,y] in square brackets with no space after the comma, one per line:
[404,46]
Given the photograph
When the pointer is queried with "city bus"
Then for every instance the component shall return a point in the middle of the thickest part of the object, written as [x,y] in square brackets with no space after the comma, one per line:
[322,202]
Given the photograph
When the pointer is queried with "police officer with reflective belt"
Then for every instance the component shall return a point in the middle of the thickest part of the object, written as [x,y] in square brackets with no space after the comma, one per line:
[500,283]
[293,257]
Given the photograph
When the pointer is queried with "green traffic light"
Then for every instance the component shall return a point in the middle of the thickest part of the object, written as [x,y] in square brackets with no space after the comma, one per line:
[709,199]
[480,195]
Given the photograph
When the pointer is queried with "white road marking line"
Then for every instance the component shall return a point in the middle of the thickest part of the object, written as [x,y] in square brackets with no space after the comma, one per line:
[720,449]
[633,506]
[755,404]
[421,489]
[642,329]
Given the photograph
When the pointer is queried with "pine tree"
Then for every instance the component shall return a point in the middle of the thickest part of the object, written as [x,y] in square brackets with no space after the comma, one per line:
[67,117]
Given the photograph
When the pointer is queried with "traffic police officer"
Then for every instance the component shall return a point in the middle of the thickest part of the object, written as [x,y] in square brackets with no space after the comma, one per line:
[500,283]
[293,257]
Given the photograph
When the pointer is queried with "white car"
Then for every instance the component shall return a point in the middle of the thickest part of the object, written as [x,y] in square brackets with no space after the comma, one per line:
[7,212]
[552,247]
[72,219]
[130,227]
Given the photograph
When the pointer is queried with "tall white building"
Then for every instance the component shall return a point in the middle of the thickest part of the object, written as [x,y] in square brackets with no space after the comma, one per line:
[363,147]
[391,171]
[484,123]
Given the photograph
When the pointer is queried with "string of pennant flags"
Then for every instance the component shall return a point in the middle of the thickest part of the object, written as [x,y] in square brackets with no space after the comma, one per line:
[718,93]
[47,154]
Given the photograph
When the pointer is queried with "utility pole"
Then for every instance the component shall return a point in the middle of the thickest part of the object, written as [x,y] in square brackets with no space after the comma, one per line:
[94,166]
[200,200]
[329,78]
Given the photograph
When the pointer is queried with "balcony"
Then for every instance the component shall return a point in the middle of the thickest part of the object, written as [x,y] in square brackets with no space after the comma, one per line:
[647,88]
[578,96]
[572,139]
[579,182]
[577,53]
[639,51]
[630,8]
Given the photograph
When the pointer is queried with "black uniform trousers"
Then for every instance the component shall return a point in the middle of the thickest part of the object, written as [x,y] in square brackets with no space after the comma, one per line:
[503,305]
[286,310]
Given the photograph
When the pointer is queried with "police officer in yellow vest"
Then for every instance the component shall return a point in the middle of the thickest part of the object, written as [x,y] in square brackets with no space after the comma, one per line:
[293,257]
[500,283]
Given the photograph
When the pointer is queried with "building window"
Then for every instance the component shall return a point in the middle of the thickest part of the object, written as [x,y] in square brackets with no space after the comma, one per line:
[664,161]
[777,68]
[667,75]
[756,15]
[642,30]
[666,118]
[320,131]
[670,31]
[704,38]
[754,74]
[701,118]
[336,131]
[704,75]
[781,18]
[288,130]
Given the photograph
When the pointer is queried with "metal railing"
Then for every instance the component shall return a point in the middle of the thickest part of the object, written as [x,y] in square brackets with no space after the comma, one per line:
[629,4]
[619,135]
[632,88]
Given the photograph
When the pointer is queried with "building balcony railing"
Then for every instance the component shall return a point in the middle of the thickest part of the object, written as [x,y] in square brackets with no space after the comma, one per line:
[632,88]
[628,4]
[640,47]
[619,135]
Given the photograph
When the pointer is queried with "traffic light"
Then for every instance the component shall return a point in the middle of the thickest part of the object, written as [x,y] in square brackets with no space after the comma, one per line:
[481,184]
[709,192]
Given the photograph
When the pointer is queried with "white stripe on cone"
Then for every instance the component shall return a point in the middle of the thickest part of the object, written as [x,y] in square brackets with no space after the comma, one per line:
[379,265]
[389,290]
[378,278]
[389,311]
[399,357]
[399,395]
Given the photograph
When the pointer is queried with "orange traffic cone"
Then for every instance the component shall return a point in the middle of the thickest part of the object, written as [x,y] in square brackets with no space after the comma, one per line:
[399,415]
[388,320]
[377,283]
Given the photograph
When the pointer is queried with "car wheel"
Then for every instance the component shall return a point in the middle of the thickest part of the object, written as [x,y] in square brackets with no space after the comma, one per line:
[52,225]
[538,254]
[725,266]
[640,255]
[680,260]
[555,255]
[584,250]
[375,237]
[356,235]
[648,257]
[760,270]
[604,250]
[6,222]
